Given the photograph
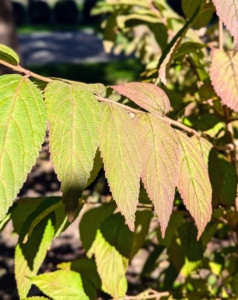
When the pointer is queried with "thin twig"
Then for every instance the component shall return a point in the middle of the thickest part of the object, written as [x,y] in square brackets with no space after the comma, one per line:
[27,72]
[164,118]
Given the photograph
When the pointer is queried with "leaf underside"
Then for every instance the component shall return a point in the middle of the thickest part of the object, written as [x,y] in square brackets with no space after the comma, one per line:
[8,55]
[23,125]
[73,114]
[119,147]
[227,10]
[146,95]
[193,182]
[224,77]
[159,144]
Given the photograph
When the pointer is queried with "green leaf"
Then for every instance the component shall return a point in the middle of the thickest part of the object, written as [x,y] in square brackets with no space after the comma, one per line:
[160,148]
[95,88]
[91,221]
[188,47]
[24,207]
[23,125]
[224,76]
[109,33]
[146,95]
[176,219]
[8,55]
[112,248]
[29,256]
[38,298]
[74,115]
[47,206]
[120,149]
[96,168]
[64,284]
[193,182]
[205,15]
[227,12]
[229,183]
[122,20]
[169,52]
[161,35]
[142,225]
[87,267]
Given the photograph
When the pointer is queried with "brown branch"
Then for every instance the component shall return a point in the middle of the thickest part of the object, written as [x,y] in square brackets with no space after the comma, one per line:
[24,71]
[164,118]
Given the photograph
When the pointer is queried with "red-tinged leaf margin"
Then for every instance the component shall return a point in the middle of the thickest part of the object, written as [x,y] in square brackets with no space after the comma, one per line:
[227,11]
[146,95]
[160,149]
[120,150]
[224,77]
[193,182]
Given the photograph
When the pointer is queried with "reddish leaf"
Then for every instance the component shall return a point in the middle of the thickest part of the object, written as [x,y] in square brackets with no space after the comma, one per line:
[160,148]
[146,95]
[120,150]
[227,10]
[193,183]
[224,77]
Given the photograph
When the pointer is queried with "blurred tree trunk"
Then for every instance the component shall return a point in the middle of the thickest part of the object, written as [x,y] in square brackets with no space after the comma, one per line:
[8,34]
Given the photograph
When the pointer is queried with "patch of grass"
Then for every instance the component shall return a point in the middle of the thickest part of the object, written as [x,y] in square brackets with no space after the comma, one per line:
[106,73]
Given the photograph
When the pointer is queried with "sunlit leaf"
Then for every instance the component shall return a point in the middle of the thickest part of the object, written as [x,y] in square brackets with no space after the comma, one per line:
[8,55]
[23,125]
[193,183]
[88,229]
[112,249]
[160,148]
[120,149]
[96,168]
[224,77]
[73,114]
[29,256]
[64,284]
[227,11]
[146,95]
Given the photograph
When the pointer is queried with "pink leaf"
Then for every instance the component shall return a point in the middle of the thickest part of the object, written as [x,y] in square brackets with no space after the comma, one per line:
[227,10]
[146,95]
[224,77]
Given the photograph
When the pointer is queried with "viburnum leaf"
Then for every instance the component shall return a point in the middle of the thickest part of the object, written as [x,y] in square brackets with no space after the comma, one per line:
[23,125]
[193,182]
[74,115]
[8,55]
[29,256]
[169,52]
[120,149]
[227,11]
[65,284]
[112,248]
[146,95]
[160,148]
[224,77]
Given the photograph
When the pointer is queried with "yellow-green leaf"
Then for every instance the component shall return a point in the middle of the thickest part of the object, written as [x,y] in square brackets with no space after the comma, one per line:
[8,55]
[23,125]
[74,115]
[146,95]
[160,148]
[193,182]
[112,248]
[120,149]
[64,284]
[224,77]
[29,256]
